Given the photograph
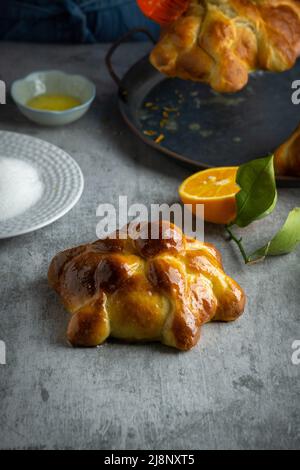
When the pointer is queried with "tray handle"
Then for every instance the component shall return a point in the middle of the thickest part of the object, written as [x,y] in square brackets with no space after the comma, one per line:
[114,47]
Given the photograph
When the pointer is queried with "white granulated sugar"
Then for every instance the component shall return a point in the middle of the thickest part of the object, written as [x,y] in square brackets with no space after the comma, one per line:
[20,187]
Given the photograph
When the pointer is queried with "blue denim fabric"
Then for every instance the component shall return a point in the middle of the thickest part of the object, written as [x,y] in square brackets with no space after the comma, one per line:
[73,21]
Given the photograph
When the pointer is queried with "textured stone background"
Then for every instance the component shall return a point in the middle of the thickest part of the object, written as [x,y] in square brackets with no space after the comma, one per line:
[236,389]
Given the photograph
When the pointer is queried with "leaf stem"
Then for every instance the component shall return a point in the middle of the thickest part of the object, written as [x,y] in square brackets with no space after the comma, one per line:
[238,243]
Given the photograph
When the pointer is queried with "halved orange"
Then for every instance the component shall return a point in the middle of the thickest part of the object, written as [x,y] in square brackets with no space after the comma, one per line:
[163,11]
[216,189]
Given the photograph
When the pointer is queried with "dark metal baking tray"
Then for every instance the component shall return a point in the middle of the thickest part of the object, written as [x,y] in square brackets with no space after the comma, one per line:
[204,128]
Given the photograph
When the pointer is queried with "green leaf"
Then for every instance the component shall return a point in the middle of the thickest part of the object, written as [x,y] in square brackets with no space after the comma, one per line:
[286,239]
[258,195]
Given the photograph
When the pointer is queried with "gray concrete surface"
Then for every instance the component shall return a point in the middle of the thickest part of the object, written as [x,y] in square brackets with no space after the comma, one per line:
[237,389]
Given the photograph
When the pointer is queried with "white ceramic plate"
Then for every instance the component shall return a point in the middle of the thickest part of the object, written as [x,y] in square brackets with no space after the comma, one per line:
[61,177]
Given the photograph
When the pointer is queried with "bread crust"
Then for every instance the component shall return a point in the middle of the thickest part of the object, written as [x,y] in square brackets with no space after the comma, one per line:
[220,41]
[287,156]
[143,289]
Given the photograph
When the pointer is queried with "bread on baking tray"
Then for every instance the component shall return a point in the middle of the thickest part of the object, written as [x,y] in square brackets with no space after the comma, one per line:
[220,41]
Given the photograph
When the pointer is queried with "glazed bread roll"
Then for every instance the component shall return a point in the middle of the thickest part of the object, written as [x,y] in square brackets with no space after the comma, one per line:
[287,156]
[220,41]
[144,289]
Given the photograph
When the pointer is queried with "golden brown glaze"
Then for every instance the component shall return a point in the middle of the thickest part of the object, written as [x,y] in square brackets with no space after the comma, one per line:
[287,156]
[143,289]
[220,41]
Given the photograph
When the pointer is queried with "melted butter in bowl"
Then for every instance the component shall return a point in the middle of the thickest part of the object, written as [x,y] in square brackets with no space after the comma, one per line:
[49,102]
[53,98]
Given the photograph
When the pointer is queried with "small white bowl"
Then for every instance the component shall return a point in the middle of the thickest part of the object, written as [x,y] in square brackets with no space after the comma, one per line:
[53,82]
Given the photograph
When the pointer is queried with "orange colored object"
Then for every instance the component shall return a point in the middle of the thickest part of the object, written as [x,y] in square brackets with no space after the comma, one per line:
[163,11]
[216,189]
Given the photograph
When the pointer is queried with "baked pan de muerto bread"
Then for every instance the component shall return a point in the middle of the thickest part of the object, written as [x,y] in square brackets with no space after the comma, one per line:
[143,289]
[287,156]
[220,41]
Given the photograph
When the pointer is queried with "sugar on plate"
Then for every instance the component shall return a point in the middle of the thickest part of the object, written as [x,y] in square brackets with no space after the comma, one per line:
[20,187]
